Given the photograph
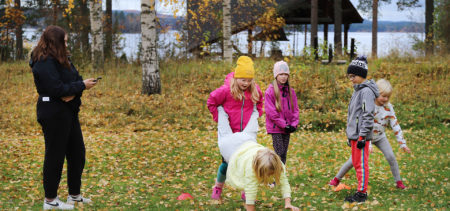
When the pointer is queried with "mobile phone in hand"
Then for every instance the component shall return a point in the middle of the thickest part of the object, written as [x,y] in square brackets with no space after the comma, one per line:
[98,78]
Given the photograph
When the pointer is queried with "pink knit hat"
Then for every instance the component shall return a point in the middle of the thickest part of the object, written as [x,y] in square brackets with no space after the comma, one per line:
[280,67]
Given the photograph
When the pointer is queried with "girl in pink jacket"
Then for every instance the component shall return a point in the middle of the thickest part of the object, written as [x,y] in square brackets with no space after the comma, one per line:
[238,96]
[281,109]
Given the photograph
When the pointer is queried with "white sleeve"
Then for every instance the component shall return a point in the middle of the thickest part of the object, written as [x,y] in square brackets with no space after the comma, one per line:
[396,127]
[252,126]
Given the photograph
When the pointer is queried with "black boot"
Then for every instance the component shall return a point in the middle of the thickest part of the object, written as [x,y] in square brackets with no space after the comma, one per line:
[357,197]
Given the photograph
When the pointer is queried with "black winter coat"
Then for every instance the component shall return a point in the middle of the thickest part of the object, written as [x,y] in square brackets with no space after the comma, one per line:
[54,81]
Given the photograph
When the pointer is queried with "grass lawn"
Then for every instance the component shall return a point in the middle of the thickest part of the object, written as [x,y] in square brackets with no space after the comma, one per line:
[144,151]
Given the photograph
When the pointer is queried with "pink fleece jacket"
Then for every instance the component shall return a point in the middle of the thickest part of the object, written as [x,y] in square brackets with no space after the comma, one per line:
[277,121]
[239,111]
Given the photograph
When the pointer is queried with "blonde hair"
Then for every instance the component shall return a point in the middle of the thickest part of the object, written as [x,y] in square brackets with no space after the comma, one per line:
[238,94]
[276,91]
[384,86]
[267,166]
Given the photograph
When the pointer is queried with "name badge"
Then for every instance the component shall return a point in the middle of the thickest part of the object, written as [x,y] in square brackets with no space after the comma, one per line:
[45,99]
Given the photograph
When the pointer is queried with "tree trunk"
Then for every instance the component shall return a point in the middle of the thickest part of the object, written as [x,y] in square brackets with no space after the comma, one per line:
[429,10]
[97,34]
[151,82]
[85,27]
[374,28]
[55,12]
[250,42]
[314,21]
[108,29]
[227,48]
[338,26]
[19,34]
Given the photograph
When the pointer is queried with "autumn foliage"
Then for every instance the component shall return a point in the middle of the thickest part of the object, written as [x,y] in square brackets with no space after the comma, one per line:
[204,20]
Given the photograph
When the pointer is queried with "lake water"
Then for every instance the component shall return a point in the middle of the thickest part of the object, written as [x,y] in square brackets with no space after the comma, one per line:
[388,42]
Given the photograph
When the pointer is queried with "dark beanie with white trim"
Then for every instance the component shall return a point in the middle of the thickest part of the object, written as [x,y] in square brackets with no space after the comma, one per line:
[358,67]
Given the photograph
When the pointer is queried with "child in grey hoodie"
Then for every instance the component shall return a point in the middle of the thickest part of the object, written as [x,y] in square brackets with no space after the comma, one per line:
[384,116]
[360,123]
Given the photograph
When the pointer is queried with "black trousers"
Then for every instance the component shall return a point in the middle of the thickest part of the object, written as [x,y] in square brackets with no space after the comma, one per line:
[280,145]
[63,139]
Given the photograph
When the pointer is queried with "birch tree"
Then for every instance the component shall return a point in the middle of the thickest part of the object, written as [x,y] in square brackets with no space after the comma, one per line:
[227,48]
[97,33]
[151,82]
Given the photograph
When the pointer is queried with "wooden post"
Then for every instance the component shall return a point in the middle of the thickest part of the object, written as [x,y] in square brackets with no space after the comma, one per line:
[338,26]
[314,21]
[352,49]
[306,32]
[346,28]
[330,54]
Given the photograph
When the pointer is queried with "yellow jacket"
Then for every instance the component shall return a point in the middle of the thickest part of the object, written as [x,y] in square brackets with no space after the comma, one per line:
[240,172]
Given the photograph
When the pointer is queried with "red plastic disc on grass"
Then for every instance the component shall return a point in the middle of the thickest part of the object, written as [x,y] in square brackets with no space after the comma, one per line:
[184,196]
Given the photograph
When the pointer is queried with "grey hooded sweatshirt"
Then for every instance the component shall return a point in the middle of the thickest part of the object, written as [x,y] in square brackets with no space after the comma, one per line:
[360,110]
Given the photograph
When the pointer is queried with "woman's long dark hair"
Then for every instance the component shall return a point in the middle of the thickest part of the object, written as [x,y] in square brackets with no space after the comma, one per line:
[52,43]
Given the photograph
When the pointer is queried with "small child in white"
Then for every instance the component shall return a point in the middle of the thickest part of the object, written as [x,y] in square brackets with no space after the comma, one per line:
[249,163]
[384,116]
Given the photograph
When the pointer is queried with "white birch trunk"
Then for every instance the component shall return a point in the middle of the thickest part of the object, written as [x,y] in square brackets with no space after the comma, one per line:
[227,48]
[97,33]
[151,82]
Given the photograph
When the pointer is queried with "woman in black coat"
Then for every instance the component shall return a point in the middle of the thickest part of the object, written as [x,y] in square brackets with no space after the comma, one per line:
[60,88]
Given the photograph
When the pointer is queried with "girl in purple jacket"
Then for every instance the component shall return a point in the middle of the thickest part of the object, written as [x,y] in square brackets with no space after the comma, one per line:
[281,109]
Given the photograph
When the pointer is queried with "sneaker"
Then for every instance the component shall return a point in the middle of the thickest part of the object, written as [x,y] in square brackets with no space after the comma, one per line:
[243,195]
[57,204]
[334,182]
[400,185]
[357,197]
[216,193]
[79,199]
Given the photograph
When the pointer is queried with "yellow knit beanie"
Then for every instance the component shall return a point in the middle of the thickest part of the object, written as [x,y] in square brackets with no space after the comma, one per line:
[244,68]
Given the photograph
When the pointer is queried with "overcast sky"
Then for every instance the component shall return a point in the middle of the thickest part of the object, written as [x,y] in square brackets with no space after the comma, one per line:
[387,12]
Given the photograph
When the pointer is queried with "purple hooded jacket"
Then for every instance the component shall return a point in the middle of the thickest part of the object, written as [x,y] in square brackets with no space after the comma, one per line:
[239,111]
[277,121]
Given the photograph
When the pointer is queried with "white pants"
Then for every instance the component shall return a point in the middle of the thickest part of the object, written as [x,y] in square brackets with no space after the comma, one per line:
[228,141]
